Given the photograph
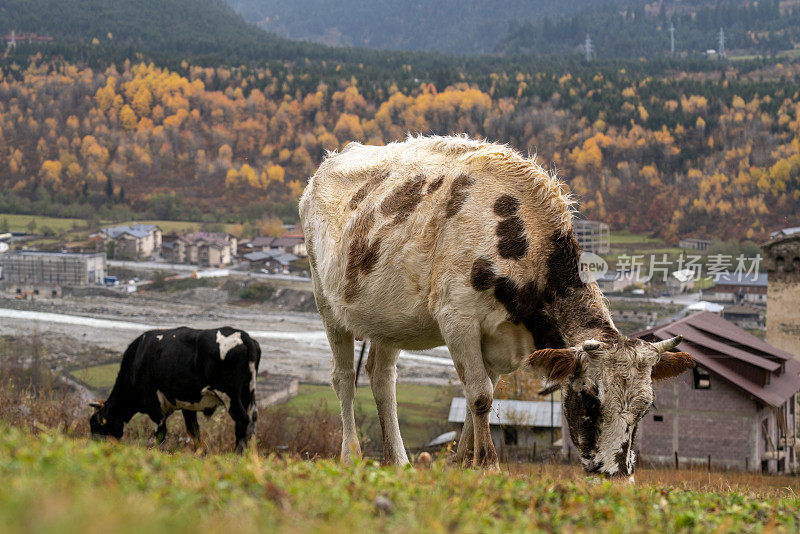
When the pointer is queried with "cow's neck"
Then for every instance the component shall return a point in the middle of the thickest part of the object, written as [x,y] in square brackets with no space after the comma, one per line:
[118,405]
[583,315]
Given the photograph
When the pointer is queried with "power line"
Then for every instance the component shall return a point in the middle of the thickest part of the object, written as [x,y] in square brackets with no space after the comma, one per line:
[588,48]
[671,39]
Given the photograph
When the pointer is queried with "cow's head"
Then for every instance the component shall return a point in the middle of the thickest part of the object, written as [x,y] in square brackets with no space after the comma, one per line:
[102,425]
[607,389]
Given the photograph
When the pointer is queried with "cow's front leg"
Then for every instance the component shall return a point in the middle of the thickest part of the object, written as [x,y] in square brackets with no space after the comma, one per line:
[382,370]
[464,342]
[466,444]
[161,431]
[193,429]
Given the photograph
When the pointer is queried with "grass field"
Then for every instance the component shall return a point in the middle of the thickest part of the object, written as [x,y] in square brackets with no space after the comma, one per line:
[421,410]
[624,238]
[98,376]
[52,483]
[19,223]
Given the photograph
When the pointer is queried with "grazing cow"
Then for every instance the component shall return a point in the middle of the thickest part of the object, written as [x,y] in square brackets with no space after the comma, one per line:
[185,369]
[447,240]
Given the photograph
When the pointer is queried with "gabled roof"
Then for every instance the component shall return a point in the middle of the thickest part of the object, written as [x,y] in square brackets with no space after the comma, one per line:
[785,232]
[512,412]
[731,352]
[136,230]
[742,279]
[262,241]
[213,239]
[287,241]
[260,256]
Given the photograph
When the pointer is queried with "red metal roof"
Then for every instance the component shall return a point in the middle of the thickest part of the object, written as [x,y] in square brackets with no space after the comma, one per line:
[714,342]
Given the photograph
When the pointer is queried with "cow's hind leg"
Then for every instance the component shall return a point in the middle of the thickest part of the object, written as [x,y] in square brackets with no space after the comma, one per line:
[464,341]
[382,370]
[244,424]
[192,428]
[343,380]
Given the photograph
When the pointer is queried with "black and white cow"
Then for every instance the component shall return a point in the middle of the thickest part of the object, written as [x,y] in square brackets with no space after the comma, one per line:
[185,369]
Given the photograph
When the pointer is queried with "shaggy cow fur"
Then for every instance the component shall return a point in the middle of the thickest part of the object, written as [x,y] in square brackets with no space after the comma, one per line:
[447,240]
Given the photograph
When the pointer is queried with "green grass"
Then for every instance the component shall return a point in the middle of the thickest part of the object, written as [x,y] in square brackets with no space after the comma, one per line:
[421,410]
[19,223]
[98,376]
[52,483]
[622,238]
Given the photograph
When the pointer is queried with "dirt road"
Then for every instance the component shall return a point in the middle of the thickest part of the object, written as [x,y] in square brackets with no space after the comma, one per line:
[76,329]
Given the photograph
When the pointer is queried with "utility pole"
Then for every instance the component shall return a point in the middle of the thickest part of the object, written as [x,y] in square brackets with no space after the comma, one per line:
[671,39]
[721,46]
[588,48]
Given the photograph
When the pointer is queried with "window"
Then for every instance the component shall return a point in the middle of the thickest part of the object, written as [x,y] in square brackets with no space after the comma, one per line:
[702,379]
[510,435]
[658,418]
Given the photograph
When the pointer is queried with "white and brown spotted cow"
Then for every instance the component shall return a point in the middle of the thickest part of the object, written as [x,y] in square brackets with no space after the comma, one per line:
[447,240]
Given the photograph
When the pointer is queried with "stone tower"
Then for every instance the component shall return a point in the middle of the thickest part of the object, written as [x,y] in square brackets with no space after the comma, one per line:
[782,263]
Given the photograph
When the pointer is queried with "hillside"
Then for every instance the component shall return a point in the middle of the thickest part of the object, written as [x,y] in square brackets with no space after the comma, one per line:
[206,29]
[56,484]
[683,152]
[447,26]
[619,28]
[642,29]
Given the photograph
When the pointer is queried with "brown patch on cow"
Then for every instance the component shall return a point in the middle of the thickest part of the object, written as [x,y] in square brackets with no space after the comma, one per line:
[435,185]
[671,364]
[459,190]
[362,256]
[482,276]
[557,364]
[506,206]
[482,405]
[367,188]
[402,201]
[513,244]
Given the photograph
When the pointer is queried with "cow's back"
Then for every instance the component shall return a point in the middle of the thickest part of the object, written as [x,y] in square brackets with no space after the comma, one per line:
[393,231]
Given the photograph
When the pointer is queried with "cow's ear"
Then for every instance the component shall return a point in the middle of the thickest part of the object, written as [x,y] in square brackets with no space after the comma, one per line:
[671,364]
[555,364]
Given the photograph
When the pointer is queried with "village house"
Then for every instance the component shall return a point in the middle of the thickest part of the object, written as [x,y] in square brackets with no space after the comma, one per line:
[681,281]
[209,249]
[746,316]
[737,407]
[740,287]
[690,243]
[782,263]
[274,261]
[200,248]
[135,242]
[41,273]
[516,426]
[592,236]
[615,281]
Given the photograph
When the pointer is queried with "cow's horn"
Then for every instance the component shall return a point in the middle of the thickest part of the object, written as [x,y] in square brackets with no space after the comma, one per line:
[96,405]
[590,346]
[667,344]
